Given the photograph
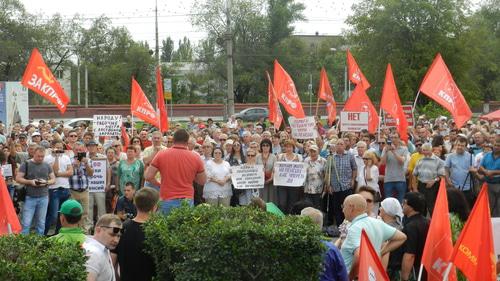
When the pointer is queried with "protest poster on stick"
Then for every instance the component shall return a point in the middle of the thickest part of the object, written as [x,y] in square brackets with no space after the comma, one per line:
[247,177]
[303,128]
[351,121]
[97,182]
[289,173]
[107,125]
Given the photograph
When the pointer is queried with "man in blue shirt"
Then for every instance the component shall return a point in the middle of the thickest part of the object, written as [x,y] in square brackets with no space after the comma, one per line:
[490,168]
[458,168]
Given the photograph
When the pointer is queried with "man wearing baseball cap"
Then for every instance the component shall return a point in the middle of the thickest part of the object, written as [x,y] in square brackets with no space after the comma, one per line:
[70,214]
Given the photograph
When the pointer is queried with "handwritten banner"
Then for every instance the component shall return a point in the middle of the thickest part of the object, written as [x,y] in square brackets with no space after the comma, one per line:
[247,177]
[7,170]
[107,125]
[97,182]
[303,128]
[289,173]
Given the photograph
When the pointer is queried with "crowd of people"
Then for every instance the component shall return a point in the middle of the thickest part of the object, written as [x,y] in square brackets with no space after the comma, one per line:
[381,182]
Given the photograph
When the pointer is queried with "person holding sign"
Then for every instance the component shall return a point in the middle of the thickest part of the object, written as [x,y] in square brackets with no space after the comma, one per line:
[245,197]
[287,196]
[217,190]
[267,158]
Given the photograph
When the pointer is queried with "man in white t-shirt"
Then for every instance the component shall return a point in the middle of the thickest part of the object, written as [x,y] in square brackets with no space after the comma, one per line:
[59,191]
[99,265]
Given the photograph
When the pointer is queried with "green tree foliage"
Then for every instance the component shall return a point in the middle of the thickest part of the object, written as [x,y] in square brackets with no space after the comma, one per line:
[167,49]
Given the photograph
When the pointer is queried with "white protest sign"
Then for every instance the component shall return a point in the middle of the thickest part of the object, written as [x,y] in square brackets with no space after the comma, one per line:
[107,125]
[353,121]
[391,122]
[289,173]
[7,170]
[97,182]
[303,128]
[495,223]
[247,176]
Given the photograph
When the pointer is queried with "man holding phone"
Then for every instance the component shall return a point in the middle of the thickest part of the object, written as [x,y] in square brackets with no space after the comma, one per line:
[79,183]
[36,175]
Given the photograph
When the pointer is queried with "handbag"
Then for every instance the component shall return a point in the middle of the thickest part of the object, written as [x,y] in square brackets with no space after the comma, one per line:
[20,191]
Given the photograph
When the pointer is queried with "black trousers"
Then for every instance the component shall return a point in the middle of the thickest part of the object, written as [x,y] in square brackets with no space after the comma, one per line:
[333,206]
[430,194]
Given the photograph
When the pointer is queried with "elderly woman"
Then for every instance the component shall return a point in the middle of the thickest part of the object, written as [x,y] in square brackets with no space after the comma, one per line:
[391,213]
[245,196]
[368,175]
[287,196]
[267,158]
[217,190]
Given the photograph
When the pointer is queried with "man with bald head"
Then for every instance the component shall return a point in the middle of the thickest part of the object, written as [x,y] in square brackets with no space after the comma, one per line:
[354,210]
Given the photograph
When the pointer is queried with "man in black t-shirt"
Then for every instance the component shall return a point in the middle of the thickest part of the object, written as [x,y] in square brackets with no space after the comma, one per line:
[415,226]
[135,264]
[125,207]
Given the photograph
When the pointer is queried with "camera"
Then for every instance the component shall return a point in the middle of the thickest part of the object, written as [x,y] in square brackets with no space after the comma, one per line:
[389,142]
[59,151]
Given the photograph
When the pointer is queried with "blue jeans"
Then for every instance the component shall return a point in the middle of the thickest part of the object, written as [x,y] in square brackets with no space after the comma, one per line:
[396,189]
[11,188]
[166,206]
[57,196]
[35,208]
[148,184]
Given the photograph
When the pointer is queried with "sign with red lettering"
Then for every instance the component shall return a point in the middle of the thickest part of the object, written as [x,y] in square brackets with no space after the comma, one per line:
[390,122]
[351,121]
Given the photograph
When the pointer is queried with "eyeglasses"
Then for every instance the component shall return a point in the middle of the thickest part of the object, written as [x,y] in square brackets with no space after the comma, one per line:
[265,145]
[115,229]
[206,146]
[223,139]
[381,143]
[251,155]
[72,136]
[365,158]
[369,201]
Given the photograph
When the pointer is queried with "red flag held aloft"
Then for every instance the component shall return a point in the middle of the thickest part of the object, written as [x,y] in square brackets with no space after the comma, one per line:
[286,93]
[354,72]
[140,105]
[325,93]
[160,102]
[275,115]
[391,103]
[370,267]
[438,245]
[9,222]
[473,253]
[438,84]
[40,79]
[360,102]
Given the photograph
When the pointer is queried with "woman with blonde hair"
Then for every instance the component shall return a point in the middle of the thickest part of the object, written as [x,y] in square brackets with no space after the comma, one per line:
[369,175]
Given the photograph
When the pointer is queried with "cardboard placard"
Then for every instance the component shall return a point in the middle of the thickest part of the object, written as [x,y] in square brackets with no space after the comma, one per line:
[351,121]
[303,128]
[247,176]
[97,182]
[107,125]
[289,173]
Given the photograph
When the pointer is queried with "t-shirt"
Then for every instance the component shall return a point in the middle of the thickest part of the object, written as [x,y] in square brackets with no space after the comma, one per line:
[36,171]
[127,206]
[395,171]
[64,163]
[489,162]
[178,168]
[135,264]
[69,235]
[415,228]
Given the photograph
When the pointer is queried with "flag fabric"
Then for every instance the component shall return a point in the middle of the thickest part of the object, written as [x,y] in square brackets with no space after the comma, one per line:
[160,102]
[439,245]
[286,92]
[370,266]
[438,84]
[9,222]
[325,93]
[391,103]
[125,138]
[140,105]
[354,72]
[275,115]
[360,102]
[40,79]
[473,253]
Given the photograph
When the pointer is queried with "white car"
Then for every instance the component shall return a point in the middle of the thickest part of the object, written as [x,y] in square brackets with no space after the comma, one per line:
[77,121]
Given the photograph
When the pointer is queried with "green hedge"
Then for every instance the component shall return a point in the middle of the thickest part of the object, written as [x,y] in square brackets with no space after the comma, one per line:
[208,243]
[34,258]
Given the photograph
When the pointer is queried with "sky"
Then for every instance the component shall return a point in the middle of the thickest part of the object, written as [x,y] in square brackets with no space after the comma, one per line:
[323,16]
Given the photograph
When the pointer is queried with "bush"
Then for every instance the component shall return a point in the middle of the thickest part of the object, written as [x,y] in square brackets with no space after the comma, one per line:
[34,258]
[208,243]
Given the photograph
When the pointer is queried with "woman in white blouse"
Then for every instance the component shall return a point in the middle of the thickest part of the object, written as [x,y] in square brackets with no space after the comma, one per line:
[217,190]
[369,175]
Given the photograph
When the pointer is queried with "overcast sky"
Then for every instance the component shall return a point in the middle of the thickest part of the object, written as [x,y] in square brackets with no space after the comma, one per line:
[324,16]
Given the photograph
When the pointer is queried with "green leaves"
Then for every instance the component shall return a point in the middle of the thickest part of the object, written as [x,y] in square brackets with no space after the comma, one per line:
[208,243]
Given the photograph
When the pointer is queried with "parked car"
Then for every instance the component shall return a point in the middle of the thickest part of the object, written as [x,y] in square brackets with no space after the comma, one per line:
[77,122]
[253,114]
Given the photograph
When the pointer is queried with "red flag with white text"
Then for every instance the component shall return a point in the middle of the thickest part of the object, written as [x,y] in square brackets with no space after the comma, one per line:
[140,105]
[359,101]
[286,93]
[370,266]
[9,222]
[355,75]
[391,103]
[438,84]
[160,102]
[275,115]
[40,79]
[325,93]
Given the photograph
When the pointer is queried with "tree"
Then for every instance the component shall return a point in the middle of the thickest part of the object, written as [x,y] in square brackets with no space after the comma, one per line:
[184,52]
[167,49]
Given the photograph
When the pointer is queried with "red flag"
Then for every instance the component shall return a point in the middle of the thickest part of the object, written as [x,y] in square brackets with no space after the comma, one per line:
[40,79]
[9,222]
[355,74]
[359,101]
[286,92]
[473,253]
[125,138]
[370,267]
[325,93]
[140,105]
[275,115]
[391,103]
[438,245]
[160,102]
[439,85]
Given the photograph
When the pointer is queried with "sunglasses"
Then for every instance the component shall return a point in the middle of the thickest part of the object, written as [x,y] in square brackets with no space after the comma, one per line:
[115,229]
[251,155]
[223,139]
[364,158]
[72,136]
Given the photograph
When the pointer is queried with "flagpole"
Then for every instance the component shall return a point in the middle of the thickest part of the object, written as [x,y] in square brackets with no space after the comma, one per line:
[447,272]
[420,272]
[414,106]
[379,121]
[317,105]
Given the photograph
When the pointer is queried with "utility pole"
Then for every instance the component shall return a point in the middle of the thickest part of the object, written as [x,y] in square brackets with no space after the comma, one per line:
[78,80]
[157,47]
[86,87]
[229,42]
